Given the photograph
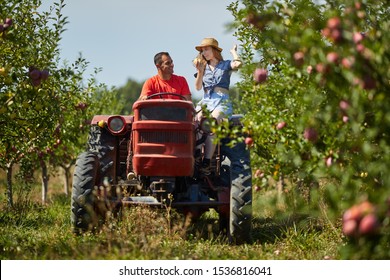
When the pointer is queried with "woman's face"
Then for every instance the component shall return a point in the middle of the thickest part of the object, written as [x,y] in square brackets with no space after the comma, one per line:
[208,53]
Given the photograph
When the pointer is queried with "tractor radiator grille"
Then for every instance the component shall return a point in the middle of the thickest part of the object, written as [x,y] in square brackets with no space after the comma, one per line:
[163,137]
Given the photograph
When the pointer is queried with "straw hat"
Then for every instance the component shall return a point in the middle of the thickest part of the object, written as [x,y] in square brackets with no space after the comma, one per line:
[208,42]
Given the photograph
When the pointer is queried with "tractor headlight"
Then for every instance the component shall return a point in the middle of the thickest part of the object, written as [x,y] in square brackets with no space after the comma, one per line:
[116,124]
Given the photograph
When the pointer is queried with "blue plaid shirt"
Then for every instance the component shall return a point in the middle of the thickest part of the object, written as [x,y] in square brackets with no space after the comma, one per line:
[220,77]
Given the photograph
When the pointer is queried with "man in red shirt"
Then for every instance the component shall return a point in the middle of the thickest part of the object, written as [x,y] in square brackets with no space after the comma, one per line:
[165,80]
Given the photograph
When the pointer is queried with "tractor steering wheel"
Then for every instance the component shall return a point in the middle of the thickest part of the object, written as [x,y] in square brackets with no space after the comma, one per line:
[166,94]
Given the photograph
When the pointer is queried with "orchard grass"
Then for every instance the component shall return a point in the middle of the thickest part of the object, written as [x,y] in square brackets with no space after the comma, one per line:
[32,231]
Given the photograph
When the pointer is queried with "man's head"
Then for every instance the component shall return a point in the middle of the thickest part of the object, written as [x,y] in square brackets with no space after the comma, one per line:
[164,64]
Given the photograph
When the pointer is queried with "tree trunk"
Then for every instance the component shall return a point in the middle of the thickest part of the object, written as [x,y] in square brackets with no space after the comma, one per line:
[45,181]
[10,201]
[66,178]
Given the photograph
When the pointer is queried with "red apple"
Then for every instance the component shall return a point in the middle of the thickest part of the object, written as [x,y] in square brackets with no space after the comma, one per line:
[35,74]
[350,227]
[369,224]
[337,35]
[8,21]
[310,134]
[334,23]
[259,173]
[347,62]
[358,5]
[44,74]
[260,75]
[366,207]
[280,125]
[326,32]
[81,105]
[299,58]
[7,24]
[357,37]
[333,29]
[322,68]
[353,213]
[344,105]
[329,161]
[249,141]
[332,57]
[360,48]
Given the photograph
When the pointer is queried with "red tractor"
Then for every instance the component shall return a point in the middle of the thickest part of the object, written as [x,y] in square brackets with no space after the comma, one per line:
[148,158]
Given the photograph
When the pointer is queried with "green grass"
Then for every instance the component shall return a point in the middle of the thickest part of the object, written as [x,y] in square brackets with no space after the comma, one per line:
[34,231]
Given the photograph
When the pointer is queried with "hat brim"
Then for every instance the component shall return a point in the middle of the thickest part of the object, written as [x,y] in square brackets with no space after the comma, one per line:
[199,48]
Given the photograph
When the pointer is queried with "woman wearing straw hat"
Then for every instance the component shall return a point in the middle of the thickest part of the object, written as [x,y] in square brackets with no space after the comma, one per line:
[213,75]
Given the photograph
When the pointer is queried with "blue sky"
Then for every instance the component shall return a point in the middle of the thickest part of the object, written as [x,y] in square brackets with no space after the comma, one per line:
[122,36]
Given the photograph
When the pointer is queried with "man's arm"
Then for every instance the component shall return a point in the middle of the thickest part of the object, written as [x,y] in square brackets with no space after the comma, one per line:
[146,90]
[186,90]
[188,97]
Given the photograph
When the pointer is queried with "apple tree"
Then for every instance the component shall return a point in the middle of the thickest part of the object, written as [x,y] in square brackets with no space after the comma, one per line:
[70,135]
[315,85]
[42,102]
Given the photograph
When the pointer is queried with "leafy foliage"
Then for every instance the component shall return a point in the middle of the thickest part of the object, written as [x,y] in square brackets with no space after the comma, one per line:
[321,116]
[315,98]
[127,95]
[44,106]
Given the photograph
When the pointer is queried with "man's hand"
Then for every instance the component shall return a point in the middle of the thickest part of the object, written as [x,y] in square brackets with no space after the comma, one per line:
[143,97]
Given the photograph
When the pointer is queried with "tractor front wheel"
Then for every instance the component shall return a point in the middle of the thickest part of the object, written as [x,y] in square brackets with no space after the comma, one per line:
[83,214]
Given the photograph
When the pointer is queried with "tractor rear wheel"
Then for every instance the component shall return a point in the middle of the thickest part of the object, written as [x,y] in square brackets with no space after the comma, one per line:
[238,174]
[240,220]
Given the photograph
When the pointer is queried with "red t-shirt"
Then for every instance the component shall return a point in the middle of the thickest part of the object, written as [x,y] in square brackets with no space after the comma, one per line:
[176,84]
